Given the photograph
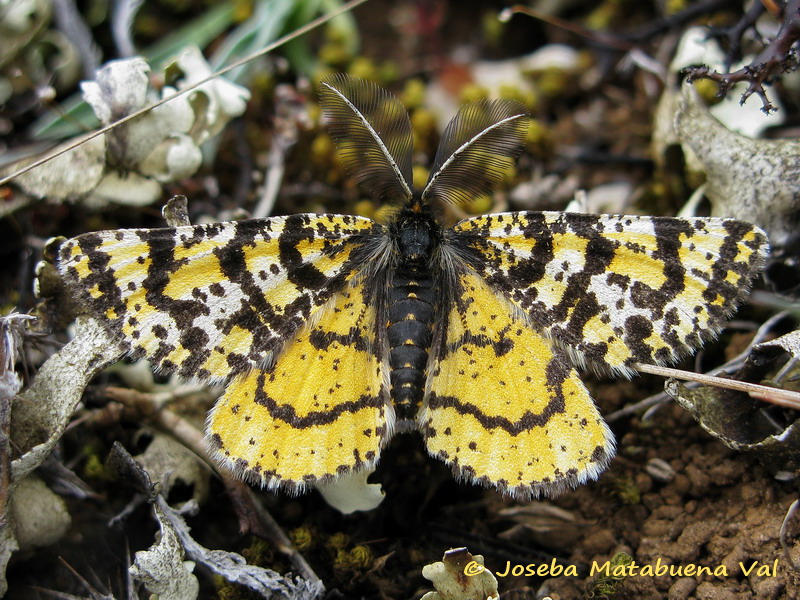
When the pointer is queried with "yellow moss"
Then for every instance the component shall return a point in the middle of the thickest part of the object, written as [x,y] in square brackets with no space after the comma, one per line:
[364,68]
[321,74]
[585,61]
[552,82]
[492,27]
[528,98]
[258,552]
[94,468]
[419,176]
[626,490]
[342,561]
[302,538]
[539,139]
[674,6]
[509,173]
[537,134]
[361,557]
[388,72]
[262,84]
[605,586]
[479,206]
[314,112]
[510,92]
[364,208]
[423,122]
[708,90]
[337,541]
[334,54]
[225,590]
[322,150]
[336,35]
[242,10]
[472,92]
[413,94]
[604,15]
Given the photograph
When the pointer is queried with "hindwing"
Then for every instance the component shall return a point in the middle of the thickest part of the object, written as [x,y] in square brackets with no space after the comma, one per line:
[505,407]
[321,410]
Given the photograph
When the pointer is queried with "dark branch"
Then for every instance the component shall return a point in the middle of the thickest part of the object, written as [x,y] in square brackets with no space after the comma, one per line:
[777,58]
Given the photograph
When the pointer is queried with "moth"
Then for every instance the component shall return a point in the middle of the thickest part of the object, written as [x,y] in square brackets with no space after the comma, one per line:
[334,332]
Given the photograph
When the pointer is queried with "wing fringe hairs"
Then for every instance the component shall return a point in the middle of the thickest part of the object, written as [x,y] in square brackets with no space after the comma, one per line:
[334,332]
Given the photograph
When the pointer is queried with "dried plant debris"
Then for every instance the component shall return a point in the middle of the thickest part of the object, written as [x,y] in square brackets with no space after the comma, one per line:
[788,343]
[8,545]
[34,57]
[31,515]
[744,423]
[753,180]
[697,47]
[460,576]
[540,517]
[162,568]
[130,164]
[738,423]
[73,174]
[41,412]
[229,565]
[170,463]
[782,271]
[779,56]
[37,516]
[787,375]
[234,568]
[176,211]
[11,327]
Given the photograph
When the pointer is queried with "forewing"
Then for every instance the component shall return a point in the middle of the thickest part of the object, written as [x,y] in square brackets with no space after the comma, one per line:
[215,300]
[478,148]
[616,290]
[320,411]
[506,408]
[373,133]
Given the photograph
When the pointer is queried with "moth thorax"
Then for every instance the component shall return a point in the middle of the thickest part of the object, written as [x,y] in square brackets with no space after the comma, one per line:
[416,237]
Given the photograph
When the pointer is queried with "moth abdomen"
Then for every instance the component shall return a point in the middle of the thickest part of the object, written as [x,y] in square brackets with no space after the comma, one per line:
[409,332]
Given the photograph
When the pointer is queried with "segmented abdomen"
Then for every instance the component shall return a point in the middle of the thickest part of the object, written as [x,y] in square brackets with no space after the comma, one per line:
[411,315]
